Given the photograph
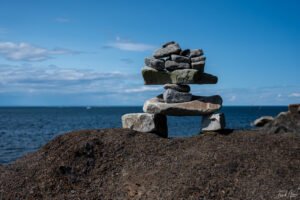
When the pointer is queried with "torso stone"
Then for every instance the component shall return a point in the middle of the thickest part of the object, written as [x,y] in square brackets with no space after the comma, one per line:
[173,96]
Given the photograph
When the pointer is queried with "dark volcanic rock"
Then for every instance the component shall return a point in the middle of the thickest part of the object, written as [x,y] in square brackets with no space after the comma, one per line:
[172,65]
[157,64]
[173,96]
[177,87]
[167,51]
[125,164]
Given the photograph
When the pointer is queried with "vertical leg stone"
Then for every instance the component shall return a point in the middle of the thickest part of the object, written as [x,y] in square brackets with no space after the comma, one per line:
[145,122]
[213,122]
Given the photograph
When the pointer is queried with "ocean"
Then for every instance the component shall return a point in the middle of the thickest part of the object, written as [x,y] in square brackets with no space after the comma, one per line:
[26,129]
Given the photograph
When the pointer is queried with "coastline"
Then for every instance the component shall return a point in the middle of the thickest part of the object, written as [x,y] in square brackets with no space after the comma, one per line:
[125,164]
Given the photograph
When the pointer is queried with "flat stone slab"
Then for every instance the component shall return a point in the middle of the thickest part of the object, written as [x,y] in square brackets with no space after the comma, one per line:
[146,123]
[213,122]
[196,107]
[183,76]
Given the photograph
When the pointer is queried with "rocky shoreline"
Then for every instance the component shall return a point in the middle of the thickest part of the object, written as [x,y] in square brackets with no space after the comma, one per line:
[126,164]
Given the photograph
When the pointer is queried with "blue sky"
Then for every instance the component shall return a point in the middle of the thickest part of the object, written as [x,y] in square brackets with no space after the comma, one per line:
[91,52]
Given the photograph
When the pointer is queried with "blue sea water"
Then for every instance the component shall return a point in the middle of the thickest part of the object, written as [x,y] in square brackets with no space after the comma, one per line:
[26,129]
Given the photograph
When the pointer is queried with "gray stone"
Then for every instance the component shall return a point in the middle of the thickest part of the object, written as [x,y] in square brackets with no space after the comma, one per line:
[198,106]
[196,53]
[173,96]
[180,59]
[168,43]
[145,122]
[198,66]
[213,122]
[282,114]
[197,59]
[167,51]
[184,76]
[177,87]
[185,52]
[263,121]
[157,64]
[172,65]
[294,108]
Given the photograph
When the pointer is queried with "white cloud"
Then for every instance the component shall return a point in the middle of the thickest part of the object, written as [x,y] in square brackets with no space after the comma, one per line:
[232,98]
[62,20]
[295,94]
[126,45]
[55,79]
[27,52]
[142,89]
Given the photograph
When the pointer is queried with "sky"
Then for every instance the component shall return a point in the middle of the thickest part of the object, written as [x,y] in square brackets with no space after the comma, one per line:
[90,53]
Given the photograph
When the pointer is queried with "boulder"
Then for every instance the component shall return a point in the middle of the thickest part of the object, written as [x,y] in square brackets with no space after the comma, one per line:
[196,53]
[184,76]
[180,59]
[172,65]
[177,87]
[145,122]
[199,66]
[197,59]
[213,122]
[167,51]
[185,52]
[263,121]
[168,43]
[173,96]
[294,108]
[197,106]
[157,64]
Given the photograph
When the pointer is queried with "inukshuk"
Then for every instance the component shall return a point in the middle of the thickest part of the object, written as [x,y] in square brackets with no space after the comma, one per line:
[176,69]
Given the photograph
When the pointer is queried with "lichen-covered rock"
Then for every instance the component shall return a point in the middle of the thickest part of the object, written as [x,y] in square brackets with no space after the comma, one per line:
[179,59]
[173,65]
[145,122]
[197,106]
[157,64]
[213,122]
[184,76]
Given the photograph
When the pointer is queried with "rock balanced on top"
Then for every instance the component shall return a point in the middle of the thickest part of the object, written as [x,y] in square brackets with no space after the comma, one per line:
[175,69]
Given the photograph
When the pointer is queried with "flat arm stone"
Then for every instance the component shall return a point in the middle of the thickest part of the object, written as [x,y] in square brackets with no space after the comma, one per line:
[182,76]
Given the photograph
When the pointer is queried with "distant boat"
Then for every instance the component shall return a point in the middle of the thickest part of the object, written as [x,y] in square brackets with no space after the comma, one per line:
[88,107]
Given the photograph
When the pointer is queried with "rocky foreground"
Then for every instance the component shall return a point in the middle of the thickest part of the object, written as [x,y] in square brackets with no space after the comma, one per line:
[125,164]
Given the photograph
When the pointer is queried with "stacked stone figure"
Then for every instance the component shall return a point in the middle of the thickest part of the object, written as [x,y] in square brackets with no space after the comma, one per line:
[175,69]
